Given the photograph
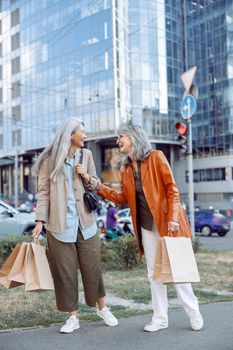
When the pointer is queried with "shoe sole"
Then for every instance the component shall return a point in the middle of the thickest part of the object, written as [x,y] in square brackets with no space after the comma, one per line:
[70,331]
[156,330]
[197,329]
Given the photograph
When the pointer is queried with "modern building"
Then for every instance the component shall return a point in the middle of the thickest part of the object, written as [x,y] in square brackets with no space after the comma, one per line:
[111,62]
[210,48]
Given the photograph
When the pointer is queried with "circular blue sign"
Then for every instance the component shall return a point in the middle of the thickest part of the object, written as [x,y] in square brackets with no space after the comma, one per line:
[188,106]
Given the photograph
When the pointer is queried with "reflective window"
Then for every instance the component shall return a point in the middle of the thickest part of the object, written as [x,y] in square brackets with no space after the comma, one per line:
[15,89]
[16,138]
[1,141]
[16,113]
[14,18]
[15,65]
[15,42]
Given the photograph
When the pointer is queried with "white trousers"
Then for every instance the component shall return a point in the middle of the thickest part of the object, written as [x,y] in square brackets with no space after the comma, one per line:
[159,291]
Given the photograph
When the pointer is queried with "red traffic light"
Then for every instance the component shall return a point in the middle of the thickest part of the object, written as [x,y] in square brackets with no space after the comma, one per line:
[181,128]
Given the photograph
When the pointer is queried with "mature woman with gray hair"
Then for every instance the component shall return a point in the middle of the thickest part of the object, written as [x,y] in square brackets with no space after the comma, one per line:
[150,190]
[71,228]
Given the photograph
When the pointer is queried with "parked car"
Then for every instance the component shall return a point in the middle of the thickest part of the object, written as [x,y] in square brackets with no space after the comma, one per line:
[13,222]
[211,221]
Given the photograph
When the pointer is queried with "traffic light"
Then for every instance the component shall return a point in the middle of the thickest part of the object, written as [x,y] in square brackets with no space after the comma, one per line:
[182,137]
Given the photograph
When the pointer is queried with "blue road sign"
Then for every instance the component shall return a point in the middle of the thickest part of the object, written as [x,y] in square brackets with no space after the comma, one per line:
[188,106]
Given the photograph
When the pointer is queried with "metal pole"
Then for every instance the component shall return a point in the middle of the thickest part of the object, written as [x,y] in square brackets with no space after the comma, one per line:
[16,178]
[190,177]
[185,35]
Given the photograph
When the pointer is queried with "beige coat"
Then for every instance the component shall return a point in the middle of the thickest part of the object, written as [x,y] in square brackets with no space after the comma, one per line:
[53,196]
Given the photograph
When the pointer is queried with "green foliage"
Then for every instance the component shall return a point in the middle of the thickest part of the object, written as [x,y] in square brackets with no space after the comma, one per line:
[127,249]
[109,257]
[196,244]
[119,254]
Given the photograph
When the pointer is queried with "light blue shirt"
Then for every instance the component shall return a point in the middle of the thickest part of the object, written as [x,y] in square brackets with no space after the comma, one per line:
[72,219]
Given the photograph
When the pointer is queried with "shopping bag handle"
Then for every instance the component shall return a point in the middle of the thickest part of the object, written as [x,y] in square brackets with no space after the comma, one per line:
[36,240]
[171,233]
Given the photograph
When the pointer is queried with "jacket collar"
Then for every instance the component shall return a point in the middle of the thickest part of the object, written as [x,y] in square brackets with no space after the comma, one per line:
[144,165]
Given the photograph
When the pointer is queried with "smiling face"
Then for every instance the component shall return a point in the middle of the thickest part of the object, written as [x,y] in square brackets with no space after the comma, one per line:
[125,143]
[78,137]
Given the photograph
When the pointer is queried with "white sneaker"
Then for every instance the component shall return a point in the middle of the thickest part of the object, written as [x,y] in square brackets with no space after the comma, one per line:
[107,316]
[196,320]
[71,324]
[154,327]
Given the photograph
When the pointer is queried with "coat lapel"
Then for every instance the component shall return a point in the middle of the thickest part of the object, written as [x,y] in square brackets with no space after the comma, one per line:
[144,168]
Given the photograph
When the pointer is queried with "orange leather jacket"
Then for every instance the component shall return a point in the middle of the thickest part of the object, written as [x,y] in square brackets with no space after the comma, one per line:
[161,194]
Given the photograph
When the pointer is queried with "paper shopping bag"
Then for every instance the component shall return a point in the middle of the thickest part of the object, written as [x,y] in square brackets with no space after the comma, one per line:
[12,272]
[27,265]
[162,269]
[175,261]
[37,272]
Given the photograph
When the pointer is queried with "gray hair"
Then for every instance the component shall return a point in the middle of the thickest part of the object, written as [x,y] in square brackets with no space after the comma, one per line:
[57,150]
[141,145]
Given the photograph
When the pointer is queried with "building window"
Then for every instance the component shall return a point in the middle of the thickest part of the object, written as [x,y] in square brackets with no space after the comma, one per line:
[16,138]
[15,66]
[0,72]
[15,42]
[0,95]
[15,89]
[1,118]
[0,49]
[1,141]
[0,27]
[13,2]
[206,175]
[14,18]
[16,113]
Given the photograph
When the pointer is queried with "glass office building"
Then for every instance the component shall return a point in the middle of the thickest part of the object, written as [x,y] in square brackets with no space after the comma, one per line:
[110,62]
[210,48]
[106,62]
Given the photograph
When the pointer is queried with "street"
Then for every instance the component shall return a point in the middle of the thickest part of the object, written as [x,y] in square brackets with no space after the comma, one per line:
[216,335]
[216,242]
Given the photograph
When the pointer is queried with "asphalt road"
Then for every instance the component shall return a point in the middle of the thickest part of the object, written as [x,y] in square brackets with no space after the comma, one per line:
[216,242]
[217,334]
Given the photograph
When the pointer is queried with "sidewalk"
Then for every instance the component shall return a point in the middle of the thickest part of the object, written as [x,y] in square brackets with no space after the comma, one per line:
[217,334]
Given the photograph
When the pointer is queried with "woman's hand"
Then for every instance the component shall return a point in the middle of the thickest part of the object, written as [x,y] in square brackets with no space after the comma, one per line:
[173,226]
[82,171]
[37,230]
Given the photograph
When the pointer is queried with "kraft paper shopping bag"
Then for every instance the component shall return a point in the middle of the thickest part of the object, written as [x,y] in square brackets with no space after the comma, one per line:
[27,265]
[175,261]
[37,274]
[12,272]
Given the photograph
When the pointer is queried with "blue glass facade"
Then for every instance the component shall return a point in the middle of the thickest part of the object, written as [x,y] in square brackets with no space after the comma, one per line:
[210,38]
[57,62]
[110,62]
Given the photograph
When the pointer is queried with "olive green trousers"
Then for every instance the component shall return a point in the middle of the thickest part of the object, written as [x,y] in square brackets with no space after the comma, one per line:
[65,259]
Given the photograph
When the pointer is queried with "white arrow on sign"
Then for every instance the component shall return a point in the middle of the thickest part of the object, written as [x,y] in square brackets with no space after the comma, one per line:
[187,78]
[188,107]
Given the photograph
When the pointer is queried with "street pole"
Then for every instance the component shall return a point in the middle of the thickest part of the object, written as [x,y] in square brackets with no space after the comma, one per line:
[190,176]
[188,108]
[16,178]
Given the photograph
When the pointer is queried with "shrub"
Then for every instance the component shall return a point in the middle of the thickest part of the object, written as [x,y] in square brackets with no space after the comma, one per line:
[109,257]
[196,244]
[127,249]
